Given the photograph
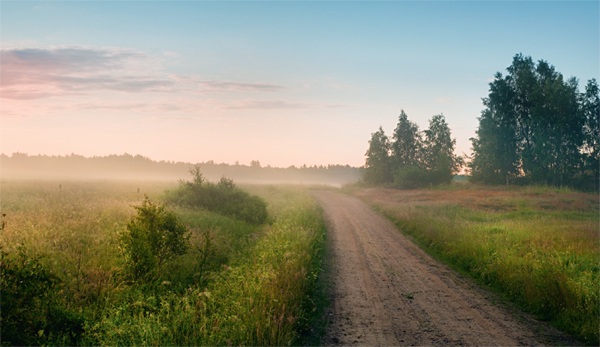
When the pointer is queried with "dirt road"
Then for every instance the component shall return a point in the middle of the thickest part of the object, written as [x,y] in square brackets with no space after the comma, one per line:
[386,291]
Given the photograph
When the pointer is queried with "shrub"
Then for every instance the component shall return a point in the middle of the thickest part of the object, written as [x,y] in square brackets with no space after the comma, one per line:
[32,313]
[411,177]
[224,198]
[153,237]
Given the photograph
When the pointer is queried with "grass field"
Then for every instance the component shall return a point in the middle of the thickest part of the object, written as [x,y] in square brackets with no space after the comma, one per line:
[238,284]
[536,246]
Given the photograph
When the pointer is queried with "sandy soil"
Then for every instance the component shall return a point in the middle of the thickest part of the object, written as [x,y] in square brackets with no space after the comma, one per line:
[386,291]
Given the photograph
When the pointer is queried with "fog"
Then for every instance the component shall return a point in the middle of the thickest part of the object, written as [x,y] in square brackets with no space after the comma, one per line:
[20,166]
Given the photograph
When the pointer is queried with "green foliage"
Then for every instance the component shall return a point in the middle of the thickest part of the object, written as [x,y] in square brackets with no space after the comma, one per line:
[413,159]
[590,107]
[411,177]
[537,129]
[154,236]
[495,159]
[438,152]
[223,197]
[407,147]
[377,167]
[31,312]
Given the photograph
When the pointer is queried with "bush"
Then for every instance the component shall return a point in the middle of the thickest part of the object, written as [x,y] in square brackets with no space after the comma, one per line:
[32,313]
[224,198]
[415,177]
[411,177]
[153,237]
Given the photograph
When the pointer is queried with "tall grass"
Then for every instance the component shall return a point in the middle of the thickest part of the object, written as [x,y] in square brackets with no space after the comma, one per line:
[537,247]
[251,285]
[261,297]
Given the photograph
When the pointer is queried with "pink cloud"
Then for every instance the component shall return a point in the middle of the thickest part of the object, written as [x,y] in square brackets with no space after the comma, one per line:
[35,73]
[276,105]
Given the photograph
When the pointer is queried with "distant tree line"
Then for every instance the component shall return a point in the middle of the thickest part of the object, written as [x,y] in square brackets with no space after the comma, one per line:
[537,128]
[127,166]
[412,158]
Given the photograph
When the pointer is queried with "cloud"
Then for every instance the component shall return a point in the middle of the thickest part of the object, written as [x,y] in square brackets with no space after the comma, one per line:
[276,105]
[171,119]
[144,107]
[236,86]
[70,59]
[36,73]
[209,86]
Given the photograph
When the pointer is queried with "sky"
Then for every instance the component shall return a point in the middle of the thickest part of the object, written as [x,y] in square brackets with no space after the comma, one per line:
[281,82]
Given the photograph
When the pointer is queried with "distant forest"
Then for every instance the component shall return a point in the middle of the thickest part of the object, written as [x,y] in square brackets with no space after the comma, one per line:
[536,128]
[129,167]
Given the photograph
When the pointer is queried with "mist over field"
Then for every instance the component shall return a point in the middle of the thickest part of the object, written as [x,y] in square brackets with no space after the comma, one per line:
[21,166]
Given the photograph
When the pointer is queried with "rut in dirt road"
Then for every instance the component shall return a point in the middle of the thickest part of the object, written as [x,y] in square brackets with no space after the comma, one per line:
[388,292]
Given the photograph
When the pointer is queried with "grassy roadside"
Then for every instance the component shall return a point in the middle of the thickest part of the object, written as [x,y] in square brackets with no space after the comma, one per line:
[255,288]
[537,247]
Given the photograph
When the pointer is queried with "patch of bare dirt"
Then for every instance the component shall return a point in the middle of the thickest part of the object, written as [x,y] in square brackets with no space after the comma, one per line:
[388,292]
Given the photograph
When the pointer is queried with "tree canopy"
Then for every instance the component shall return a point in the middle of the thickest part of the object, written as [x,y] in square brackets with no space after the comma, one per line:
[537,128]
[377,166]
[413,158]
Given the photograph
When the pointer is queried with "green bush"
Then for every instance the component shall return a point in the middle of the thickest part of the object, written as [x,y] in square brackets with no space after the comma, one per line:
[153,237]
[224,198]
[411,177]
[32,313]
[415,177]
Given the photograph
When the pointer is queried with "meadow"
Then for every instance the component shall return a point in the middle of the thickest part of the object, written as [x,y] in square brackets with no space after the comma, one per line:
[535,246]
[65,279]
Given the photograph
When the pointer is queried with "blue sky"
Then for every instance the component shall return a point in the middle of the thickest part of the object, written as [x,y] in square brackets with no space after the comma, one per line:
[286,83]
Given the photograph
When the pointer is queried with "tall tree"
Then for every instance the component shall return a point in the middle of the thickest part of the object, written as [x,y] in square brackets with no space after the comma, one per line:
[377,166]
[590,105]
[495,151]
[532,127]
[438,151]
[556,129]
[407,143]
